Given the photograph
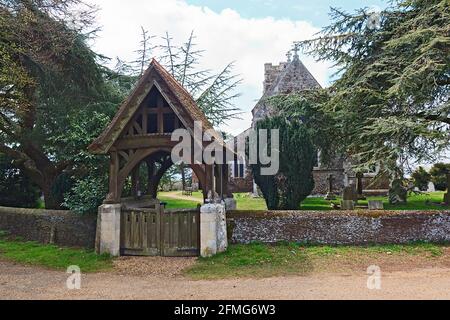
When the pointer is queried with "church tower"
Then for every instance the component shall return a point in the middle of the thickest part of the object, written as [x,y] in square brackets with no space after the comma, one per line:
[287,77]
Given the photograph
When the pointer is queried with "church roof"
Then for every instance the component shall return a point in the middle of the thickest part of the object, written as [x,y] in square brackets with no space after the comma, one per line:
[177,97]
[295,77]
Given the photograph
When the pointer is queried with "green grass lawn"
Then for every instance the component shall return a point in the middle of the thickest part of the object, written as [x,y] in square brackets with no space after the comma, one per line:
[172,203]
[178,204]
[415,202]
[246,202]
[259,260]
[51,256]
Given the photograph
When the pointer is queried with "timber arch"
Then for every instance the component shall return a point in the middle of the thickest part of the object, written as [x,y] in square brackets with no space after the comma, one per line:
[141,132]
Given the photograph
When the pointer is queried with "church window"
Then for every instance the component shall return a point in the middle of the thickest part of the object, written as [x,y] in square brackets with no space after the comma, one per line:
[238,169]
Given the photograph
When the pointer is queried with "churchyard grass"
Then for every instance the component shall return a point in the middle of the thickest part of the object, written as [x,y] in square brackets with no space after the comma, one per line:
[429,201]
[287,259]
[246,202]
[50,256]
[178,203]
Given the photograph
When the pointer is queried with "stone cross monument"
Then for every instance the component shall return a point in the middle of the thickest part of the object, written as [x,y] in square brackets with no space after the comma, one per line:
[330,195]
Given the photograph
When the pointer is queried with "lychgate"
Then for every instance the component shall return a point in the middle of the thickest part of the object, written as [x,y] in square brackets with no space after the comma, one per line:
[139,139]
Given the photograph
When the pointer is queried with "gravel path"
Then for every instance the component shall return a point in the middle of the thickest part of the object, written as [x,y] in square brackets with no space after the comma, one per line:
[23,282]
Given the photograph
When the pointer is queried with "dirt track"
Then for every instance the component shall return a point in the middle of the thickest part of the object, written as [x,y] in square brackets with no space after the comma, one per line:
[19,282]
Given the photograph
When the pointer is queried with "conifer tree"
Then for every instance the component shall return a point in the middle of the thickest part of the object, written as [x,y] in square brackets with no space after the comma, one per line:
[294,181]
[391,99]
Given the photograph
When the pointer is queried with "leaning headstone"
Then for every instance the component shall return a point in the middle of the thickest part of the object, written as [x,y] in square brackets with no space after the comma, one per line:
[398,193]
[376,205]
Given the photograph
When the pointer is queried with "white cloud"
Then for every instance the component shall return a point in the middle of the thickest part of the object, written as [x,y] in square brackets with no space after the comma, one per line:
[225,37]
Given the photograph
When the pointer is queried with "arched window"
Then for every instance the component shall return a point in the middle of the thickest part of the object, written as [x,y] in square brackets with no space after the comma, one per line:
[238,169]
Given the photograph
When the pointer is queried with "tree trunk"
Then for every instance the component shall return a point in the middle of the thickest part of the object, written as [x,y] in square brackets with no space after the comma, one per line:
[50,201]
[183,176]
[150,174]
[157,177]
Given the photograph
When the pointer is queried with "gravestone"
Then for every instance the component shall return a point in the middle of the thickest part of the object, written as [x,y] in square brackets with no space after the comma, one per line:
[376,205]
[348,205]
[359,185]
[349,193]
[398,193]
[330,195]
[349,198]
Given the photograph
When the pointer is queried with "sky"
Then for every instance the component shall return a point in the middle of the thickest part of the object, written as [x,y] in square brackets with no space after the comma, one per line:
[248,32]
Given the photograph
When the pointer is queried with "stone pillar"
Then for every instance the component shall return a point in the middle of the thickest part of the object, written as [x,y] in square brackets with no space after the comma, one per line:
[213,229]
[108,230]
[222,237]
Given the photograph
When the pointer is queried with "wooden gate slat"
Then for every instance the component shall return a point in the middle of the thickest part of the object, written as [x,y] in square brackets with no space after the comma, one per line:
[151,232]
[144,230]
[189,231]
[175,230]
[128,232]
[196,230]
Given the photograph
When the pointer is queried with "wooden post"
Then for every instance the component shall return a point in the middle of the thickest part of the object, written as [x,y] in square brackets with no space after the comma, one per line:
[150,174]
[113,196]
[135,182]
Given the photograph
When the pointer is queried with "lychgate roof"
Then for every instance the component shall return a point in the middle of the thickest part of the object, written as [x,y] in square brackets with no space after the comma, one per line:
[178,98]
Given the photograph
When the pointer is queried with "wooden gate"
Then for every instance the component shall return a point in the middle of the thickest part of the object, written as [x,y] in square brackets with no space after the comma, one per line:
[157,232]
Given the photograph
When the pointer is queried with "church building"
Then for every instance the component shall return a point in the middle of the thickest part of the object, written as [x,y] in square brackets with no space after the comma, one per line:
[285,78]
